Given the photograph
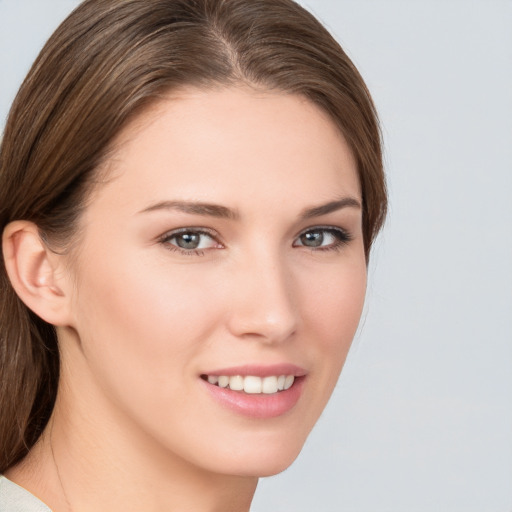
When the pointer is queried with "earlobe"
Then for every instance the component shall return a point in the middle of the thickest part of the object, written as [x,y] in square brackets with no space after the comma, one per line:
[35,272]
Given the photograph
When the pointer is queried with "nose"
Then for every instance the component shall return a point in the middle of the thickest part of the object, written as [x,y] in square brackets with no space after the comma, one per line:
[264,305]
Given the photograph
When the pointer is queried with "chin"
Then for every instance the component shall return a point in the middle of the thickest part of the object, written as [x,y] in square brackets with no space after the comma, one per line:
[260,469]
[262,459]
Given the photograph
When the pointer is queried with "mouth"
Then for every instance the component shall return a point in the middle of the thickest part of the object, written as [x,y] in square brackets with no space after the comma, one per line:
[255,391]
[252,384]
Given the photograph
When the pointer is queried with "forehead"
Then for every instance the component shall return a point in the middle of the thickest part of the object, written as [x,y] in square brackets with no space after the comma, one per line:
[218,144]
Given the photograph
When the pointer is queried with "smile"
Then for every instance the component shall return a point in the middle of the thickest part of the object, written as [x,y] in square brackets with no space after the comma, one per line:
[252,384]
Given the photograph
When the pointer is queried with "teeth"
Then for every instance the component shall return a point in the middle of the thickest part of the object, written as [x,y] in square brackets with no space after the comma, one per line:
[236,383]
[289,381]
[253,385]
[223,381]
[269,385]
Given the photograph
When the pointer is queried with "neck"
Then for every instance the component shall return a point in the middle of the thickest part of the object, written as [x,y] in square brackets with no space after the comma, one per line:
[98,462]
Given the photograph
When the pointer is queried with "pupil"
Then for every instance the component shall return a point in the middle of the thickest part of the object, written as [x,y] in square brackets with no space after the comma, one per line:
[188,241]
[312,239]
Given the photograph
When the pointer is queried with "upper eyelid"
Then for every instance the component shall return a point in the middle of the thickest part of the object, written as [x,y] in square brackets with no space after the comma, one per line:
[199,230]
[324,228]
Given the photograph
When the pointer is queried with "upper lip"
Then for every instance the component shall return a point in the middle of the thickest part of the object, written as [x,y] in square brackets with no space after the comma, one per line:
[260,370]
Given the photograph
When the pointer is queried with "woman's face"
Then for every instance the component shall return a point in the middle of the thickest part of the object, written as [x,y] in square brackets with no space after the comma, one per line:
[225,246]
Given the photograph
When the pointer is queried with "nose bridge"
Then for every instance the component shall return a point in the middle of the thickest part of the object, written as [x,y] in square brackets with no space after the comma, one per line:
[264,305]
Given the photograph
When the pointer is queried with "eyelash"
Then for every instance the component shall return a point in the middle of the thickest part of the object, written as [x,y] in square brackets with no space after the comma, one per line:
[167,237]
[342,238]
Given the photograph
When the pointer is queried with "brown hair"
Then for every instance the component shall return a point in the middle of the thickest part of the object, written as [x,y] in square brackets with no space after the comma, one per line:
[106,62]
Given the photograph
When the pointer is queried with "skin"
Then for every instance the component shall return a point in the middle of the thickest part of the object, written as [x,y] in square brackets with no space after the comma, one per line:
[140,320]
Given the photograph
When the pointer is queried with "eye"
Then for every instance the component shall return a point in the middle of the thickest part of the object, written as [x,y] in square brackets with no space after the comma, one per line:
[190,240]
[323,238]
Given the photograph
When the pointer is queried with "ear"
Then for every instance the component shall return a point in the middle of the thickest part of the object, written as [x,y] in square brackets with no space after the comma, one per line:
[36,273]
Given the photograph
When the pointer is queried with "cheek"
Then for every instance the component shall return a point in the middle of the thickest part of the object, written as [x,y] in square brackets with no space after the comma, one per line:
[141,337]
[148,322]
[335,302]
[332,313]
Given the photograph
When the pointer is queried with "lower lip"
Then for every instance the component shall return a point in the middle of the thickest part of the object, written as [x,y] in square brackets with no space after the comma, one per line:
[258,405]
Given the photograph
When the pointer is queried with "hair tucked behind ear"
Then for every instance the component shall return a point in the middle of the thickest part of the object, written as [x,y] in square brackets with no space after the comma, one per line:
[105,64]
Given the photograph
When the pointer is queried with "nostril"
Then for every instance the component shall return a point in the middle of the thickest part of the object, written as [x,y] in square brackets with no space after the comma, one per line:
[263,305]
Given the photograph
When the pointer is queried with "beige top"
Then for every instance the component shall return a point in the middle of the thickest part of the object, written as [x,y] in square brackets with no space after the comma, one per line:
[14,498]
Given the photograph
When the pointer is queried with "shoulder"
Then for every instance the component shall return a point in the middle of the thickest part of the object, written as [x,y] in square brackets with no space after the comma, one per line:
[14,498]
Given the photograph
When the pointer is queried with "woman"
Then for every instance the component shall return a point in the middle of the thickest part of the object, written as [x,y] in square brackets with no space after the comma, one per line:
[189,191]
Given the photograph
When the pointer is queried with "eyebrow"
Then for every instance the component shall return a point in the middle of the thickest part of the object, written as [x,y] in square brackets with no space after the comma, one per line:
[332,206]
[196,208]
[223,212]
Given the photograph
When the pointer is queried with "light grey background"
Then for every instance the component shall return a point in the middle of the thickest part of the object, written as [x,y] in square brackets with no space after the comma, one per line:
[422,417]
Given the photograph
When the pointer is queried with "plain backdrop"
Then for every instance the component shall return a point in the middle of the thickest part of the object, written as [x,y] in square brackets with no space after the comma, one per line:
[421,419]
